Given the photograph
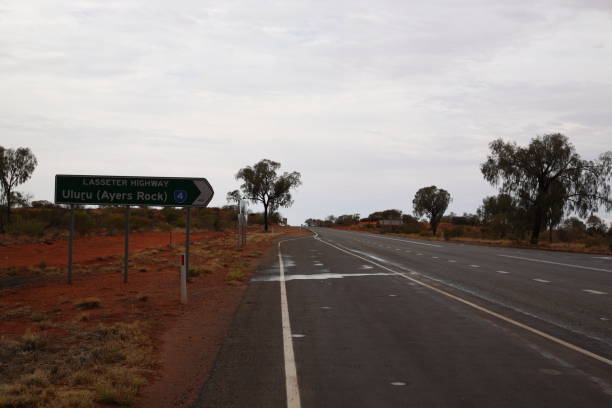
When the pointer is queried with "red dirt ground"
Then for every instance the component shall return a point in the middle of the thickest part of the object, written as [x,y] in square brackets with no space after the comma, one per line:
[87,248]
[188,337]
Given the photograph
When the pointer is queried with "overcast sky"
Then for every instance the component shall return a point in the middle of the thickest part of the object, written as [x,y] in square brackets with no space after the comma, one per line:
[370,101]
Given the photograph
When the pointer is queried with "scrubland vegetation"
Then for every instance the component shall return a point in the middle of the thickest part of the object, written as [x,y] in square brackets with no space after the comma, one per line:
[46,220]
[592,235]
[545,187]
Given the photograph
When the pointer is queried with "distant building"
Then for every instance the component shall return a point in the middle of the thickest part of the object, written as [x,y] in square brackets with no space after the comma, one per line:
[390,222]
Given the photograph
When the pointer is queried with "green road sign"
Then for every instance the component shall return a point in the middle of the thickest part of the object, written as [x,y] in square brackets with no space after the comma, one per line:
[119,190]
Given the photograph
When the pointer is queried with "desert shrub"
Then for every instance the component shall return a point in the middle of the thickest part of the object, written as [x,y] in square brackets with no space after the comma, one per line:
[114,223]
[592,242]
[84,223]
[425,233]
[572,229]
[26,226]
[453,232]
[39,378]
[236,274]
[32,342]
[193,273]
[410,228]
[140,223]
[204,220]
[173,216]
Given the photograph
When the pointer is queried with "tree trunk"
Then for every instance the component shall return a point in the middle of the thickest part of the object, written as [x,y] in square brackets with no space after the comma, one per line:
[537,226]
[434,227]
[8,206]
[265,217]
[550,231]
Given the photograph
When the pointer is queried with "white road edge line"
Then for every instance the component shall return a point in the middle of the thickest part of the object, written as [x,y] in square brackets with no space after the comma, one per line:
[291,379]
[556,263]
[541,280]
[484,310]
[594,292]
[405,240]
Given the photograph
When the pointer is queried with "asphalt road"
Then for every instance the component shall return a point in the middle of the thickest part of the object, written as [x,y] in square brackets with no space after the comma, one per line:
[349,319]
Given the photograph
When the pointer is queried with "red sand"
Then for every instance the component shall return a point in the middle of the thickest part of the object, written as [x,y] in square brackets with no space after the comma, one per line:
[187,338]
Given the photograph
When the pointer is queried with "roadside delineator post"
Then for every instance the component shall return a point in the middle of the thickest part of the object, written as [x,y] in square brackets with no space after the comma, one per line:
[183,279]
[242,224]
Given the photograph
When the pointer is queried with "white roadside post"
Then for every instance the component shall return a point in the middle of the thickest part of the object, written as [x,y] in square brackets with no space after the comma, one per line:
[183,280]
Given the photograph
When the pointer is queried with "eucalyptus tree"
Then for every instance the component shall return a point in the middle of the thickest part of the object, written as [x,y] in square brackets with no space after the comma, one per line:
[546,174]
[432,203]
[261,183]
[16,167]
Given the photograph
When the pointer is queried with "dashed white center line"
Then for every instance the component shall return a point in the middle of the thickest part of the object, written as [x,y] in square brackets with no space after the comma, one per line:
[451,260]
[475,266]
[594,292]
[419,254]
[435,257]
[503,272]
[541,280]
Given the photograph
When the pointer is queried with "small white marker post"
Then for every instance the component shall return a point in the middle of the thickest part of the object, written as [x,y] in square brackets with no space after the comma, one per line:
[183,280]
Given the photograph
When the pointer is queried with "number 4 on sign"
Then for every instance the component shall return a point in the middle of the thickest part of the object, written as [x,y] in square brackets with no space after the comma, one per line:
[180,196]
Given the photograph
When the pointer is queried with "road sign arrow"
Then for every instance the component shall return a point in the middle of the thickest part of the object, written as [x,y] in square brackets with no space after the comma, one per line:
[206,193]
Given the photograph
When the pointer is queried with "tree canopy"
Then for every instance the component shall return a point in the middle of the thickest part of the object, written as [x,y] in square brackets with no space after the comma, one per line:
[548,177]
[432,203]
[261,183]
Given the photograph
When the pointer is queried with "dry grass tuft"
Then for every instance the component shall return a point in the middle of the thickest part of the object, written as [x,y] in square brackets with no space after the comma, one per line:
[119,386]
[236,273]
[104,364]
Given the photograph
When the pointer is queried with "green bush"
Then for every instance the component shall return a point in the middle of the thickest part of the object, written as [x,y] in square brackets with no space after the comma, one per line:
[140,223]
[84,223]
[26,226]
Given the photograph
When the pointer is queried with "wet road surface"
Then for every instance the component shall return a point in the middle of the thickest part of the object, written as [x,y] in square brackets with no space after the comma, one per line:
[357,320]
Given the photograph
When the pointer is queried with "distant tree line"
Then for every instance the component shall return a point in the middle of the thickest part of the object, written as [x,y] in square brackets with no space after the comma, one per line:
[545,186]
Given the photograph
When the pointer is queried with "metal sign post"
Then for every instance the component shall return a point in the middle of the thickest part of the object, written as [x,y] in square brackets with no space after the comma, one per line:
[187,238]
[70,243]
[126,244]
